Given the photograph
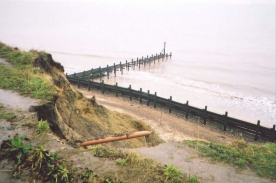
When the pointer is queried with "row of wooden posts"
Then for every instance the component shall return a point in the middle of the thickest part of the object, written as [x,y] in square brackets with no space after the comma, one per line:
[106,71]
[255,129]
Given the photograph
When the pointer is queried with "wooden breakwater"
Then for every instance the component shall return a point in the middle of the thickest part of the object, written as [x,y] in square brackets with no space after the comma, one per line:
[106,71]
[145,97]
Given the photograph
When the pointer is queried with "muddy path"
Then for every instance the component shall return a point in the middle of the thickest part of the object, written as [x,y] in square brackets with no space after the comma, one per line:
[185,158]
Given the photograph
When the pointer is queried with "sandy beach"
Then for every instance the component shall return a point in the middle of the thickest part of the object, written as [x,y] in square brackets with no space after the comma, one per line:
[169,126]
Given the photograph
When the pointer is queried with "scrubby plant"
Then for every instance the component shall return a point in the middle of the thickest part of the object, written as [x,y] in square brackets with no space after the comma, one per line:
[42,127]
[193,179]
[173,174]
[15,149]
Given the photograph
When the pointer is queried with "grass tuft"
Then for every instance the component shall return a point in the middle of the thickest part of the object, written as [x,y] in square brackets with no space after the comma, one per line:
[42,127]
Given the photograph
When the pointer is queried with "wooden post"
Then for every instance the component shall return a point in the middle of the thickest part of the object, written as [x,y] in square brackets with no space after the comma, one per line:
[170,110]
[126,64]
[102,86]
[91,73]
[116,89]
[145,62]
[100,70]
[89,84]
[139,63]
[130,96]
[140,96]
[257,131]
[225,121]
[171,55]
[79,82]
[107,72]
[205,115]
[121,66]
[148,98]
[92,77]
[154,59]
[164,48]
[273,136]
[187,109]
[115,70]
[155,99]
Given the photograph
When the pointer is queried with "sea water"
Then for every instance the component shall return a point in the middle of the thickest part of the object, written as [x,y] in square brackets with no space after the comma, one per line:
[223,54]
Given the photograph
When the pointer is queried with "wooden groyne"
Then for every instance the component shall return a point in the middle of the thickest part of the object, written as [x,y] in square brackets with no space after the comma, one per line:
[106,71]
[152,99]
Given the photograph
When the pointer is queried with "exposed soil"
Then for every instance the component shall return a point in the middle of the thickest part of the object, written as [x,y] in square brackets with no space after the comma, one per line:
[173,130]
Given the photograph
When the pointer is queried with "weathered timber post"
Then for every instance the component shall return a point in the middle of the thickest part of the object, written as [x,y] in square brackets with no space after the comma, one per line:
[273,136]
[102,86]
[187,109]
[130,93]
[78,82]
[154,59]
[107,72]
[140,96]
[205,115]
[139,63]
[164,48]
[148,98]
[171,55]
[170,110]
[89,84]
[121,66]
[92,77]
[100,70]
[126,64]
[257,131]
[155,100]
[115,70]
[116,89]
[145,62]
[225,121]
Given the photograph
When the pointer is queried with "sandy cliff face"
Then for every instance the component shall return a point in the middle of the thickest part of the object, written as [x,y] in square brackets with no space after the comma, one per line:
[76,118]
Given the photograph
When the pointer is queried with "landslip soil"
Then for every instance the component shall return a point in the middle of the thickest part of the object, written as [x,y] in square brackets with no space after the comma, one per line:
[173,129]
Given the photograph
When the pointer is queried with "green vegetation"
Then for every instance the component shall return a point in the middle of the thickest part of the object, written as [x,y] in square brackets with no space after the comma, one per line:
[42,127]
[193,179]
[46,166]
[23,77]
[15,149]
[173,174]
[261,159]
[9,116]
[133,167]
